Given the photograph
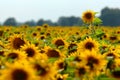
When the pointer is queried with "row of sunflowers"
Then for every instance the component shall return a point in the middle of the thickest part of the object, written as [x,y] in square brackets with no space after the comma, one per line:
[60,53]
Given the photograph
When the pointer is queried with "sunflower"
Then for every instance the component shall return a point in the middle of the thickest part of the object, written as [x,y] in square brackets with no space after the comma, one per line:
[88,44]
[38,28]
[2,53]
[61,76]
[1,33]
[81,71]
[114,38]
[111,54]
[115,74]
[60,64]
[35,34]
[42,37]
[88,16]
[16,41]
[53,53]
[31,50]
[44,70]
[17,71]
[45,25]
[15,55]
[59,42]
[94,59]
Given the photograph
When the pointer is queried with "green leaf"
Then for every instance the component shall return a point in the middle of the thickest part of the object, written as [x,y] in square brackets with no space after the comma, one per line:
[97,21]
[99,33]
[52,60]
[70,78]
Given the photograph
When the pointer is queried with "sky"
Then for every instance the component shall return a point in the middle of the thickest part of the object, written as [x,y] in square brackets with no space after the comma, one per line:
[24,10]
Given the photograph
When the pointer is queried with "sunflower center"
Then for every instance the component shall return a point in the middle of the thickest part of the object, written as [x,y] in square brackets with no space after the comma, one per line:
[61,65]
[42,37]
[12,55]
[59,42]
[88,15]
[34,34]
[105,36]
[30,52]
[77,59]
[17,43]
[89,45]
[113,38]
[82,71]
[41,70]
[110,55]
[60,78]
[1,32]
[39,29]
[19,74]
[1,53]
[104,47]
[92,61]
[116,74]
[53,53]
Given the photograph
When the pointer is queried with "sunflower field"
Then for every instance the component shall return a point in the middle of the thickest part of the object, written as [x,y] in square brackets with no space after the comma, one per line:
[89,52]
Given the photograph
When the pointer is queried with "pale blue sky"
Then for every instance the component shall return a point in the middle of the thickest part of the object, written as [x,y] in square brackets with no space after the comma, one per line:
[24,10]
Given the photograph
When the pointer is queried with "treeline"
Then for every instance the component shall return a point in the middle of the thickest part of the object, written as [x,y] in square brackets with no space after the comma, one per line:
[109,16]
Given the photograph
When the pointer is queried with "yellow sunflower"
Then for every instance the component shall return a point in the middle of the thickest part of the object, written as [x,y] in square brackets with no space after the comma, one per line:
[115,74]
[61,76]
[16,41]
[88,44]
[60,64]
[111,54]
[45,25]
[17,71]
[88,16]
[31,50]
[53,53]
[44,70]
[15,55]
[35,34]
[60,42]
[81,71]
[94,59]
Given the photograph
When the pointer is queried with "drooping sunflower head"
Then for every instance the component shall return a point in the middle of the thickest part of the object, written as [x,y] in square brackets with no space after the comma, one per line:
[88,16]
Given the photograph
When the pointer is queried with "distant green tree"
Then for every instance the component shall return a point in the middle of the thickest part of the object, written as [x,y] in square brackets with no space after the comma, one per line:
[110,17]
[10,22]
[40,22]
[69,21]
[49,22]
[30,23]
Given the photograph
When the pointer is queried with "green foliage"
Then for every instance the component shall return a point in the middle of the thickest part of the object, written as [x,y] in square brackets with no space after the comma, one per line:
[97,21]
